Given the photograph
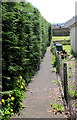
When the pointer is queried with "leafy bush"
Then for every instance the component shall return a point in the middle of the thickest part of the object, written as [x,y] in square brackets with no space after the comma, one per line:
[12,100]
[54,61]
[26,35]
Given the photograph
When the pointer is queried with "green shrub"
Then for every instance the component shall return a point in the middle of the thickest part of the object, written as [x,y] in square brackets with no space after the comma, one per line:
[12,100]
[26,35]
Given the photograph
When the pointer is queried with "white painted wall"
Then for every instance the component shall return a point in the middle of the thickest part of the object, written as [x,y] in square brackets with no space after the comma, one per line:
[73,35]
[76,39]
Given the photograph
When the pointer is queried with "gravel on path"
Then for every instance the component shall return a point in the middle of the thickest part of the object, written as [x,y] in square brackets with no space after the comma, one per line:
[42,92]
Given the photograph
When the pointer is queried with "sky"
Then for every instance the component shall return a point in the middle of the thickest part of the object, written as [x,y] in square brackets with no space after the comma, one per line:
[55,11]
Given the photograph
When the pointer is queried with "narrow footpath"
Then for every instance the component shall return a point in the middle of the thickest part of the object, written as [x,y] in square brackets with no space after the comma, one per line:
[42,92]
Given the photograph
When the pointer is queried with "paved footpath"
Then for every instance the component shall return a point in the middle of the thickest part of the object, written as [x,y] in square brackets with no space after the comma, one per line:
[42,92]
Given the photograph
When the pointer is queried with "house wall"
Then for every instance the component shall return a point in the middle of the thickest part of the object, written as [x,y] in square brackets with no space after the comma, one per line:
[76,39]
[73,35]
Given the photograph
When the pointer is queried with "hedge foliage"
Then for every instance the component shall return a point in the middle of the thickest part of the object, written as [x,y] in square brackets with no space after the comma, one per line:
[26,35]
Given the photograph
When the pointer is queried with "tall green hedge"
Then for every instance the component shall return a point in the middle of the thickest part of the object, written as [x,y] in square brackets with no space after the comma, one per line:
[25,35]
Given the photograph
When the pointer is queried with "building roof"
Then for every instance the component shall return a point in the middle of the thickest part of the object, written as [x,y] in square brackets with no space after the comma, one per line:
[57,25]
[70,22]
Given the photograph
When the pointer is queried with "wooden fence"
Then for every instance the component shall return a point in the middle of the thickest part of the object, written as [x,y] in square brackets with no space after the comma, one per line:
[61,68]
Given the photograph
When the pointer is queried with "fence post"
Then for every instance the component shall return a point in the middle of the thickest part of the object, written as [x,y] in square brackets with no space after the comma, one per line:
[65,83]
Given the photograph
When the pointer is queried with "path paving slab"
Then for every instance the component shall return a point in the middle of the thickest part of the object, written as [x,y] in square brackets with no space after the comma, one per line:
[42,92]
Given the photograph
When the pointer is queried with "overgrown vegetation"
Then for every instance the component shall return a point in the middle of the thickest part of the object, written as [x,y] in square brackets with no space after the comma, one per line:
[26,35]
[57,108]
[67,48]
[70,60]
